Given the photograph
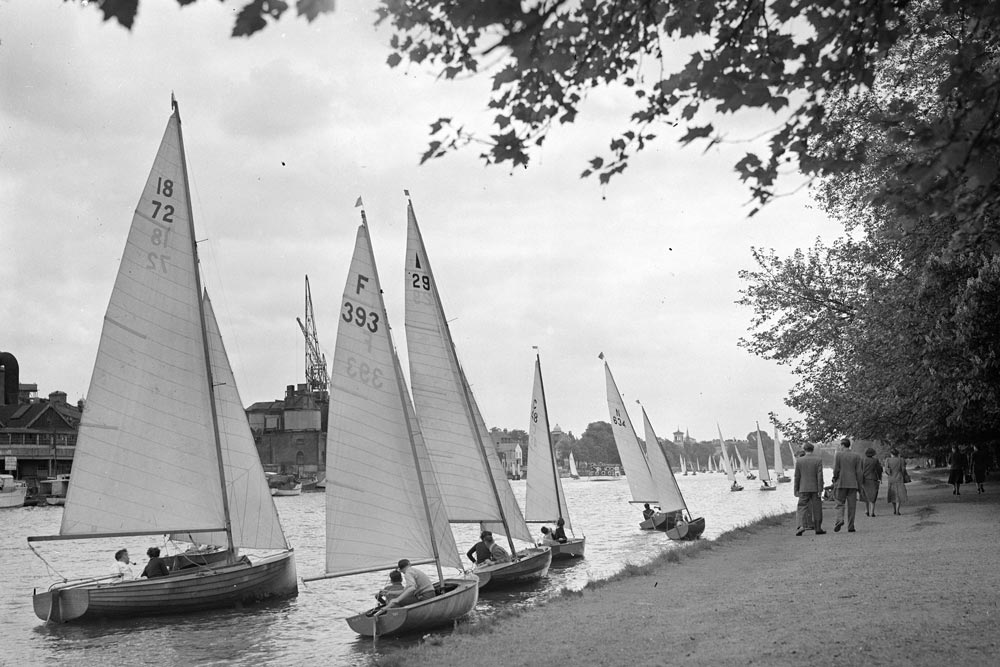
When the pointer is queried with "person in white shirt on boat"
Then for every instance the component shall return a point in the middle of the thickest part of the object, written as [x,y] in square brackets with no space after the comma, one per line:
[497,553]
[418,586]
[547,539]
[123,566]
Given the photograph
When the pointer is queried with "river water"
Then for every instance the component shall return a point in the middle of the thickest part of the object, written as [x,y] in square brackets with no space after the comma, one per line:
[311,626]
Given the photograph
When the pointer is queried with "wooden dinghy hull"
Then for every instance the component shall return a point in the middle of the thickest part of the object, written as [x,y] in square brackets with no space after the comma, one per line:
[657,522]
[572,548]
[191,590]
[687,530]
[532,566]
[433,613]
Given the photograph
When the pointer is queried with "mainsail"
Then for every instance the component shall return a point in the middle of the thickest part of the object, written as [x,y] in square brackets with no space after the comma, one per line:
[779,468]
[726,463]
[381,495]
[544,496]
[667,491]
[761,462]
[640,481]
[473,483]
[146,459]
[572,466]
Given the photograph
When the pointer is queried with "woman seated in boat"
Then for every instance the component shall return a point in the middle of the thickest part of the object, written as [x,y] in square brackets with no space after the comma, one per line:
[393,590]
[497,553]
[418,586]
[123,566]
[547,538]
[559,534]
[155,567]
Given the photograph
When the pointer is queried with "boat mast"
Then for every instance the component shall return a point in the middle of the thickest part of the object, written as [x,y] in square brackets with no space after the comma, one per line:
[467,403]
[548,436]
[204,330]
[401,386]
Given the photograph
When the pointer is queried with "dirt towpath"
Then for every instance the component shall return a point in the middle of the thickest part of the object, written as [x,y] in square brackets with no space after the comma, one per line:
[918,589]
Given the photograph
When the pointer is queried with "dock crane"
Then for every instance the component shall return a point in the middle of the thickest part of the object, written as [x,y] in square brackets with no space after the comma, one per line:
[317,375]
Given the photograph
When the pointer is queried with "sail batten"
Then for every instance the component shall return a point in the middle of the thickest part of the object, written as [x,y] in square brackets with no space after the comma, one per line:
[472,480]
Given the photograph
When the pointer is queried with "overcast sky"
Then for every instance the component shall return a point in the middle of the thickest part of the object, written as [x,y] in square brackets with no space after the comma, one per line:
[286,129]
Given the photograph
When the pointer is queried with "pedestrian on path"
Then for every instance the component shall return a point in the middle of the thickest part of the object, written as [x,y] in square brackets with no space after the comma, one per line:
[871,471]
[980,461]
[957,473]
[807,487]
[895,474]
[847,476]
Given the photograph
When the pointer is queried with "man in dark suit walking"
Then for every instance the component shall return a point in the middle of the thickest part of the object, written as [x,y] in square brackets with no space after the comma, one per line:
[847,476]
[807,487]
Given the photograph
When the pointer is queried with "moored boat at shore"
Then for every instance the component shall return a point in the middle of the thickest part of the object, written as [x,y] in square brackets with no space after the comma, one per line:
[374,434]
[178,461]
[473,483]
[12,492]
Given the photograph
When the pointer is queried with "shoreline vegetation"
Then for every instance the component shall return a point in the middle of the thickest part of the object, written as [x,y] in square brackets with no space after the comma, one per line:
[916,589]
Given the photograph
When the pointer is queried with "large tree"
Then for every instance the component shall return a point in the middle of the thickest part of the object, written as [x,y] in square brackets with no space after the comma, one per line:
[893,329]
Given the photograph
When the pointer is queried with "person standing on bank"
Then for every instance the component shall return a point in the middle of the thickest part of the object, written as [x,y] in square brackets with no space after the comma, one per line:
[871,476]
[808,485]
[847,476]
[895,474]
[957,473]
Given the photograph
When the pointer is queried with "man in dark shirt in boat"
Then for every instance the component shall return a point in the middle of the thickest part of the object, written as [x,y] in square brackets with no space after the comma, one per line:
[647,512]
[559,534]
[480,552]
[497,553]
[155,567]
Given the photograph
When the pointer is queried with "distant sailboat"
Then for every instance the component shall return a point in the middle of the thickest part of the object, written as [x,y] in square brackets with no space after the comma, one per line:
[779,468]
[377,461]
[727,464]
[164,446]
[765,476]
[684,467]
[473,483]
[572,467]
[544,499]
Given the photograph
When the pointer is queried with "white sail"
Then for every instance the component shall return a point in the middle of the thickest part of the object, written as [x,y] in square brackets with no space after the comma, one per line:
[739,457]
[382,498]
[473,483]
[684,467]
[726,463]
[572,466]
[667,492]
[640,481]
[779,468]
[146,459]
[544,497]
[761,462]
[254,519]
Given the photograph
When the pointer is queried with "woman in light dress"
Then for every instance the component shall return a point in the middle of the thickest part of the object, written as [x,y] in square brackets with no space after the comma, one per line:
[895,468]
[871,476]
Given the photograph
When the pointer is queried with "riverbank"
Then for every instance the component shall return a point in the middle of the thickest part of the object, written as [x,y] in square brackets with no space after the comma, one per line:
[916,589]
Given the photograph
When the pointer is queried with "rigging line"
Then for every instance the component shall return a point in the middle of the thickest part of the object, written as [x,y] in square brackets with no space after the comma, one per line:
[52,570]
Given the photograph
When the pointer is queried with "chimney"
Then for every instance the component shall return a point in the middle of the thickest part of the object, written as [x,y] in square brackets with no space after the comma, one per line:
[58,397]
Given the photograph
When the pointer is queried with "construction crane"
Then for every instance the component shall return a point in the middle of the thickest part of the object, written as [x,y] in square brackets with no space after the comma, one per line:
[317,376]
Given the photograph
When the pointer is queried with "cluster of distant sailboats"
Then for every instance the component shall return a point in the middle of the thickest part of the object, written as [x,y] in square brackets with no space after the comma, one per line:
[164,447]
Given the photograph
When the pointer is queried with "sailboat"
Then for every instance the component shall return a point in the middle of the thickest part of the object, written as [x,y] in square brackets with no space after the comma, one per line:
[765,476]
[779,468]
[684,467]
[473,482]
[573,472]
[679,525]
[164,446]
[378,465]
[727,464]
[744,465]
[544,499]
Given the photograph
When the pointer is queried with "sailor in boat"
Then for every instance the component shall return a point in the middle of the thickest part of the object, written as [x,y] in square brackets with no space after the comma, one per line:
[647,512]
[497,553]
[418,586]
[123,567]
[393,590]
[480,552]
[547,538]
[155,567]
[559,534]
